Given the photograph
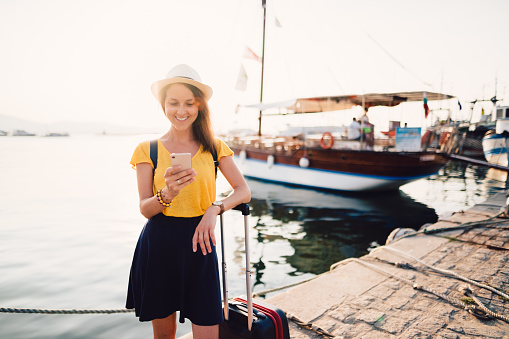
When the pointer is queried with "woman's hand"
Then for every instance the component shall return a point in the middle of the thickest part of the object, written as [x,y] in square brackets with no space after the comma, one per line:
[175,179]
[204,232]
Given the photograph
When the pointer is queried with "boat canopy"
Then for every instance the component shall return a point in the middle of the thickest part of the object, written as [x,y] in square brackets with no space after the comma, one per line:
[342,102]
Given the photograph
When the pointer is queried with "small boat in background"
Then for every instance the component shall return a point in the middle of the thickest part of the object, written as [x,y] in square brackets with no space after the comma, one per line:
[461,137]
[57,135]
[22,133]
[3,133]
[495,143]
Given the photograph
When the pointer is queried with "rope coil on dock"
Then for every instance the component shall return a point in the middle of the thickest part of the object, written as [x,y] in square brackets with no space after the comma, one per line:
[468,292]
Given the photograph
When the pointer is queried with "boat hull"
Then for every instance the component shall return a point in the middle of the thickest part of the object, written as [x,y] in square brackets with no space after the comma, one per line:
[495,149]
[341,170]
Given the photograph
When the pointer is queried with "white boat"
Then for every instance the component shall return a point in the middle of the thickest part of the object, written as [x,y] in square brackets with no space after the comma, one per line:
[22,133]
[3,133]
[330,162]
[57,134]
[495,143]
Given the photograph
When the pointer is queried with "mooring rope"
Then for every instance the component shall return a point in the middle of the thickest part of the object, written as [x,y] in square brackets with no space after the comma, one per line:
[471,224]
[477,312]
[444,271]
[65,311]
[280,288]
[468,292]
[309,326]
[465,289]
[491,247]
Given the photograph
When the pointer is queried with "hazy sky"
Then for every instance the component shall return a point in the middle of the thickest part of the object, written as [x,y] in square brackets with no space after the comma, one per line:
[95,60]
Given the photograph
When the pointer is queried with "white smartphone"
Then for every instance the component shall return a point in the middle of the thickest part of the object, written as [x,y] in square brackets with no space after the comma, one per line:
[182,159]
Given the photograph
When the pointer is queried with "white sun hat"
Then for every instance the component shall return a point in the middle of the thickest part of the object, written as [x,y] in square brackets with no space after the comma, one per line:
[180,74]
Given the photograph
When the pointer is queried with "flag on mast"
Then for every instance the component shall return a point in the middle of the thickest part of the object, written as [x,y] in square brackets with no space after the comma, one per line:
[426,107]
[241,79]
[249,54]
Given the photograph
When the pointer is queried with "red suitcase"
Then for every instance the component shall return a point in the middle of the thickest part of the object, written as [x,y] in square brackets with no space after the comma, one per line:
[248,318]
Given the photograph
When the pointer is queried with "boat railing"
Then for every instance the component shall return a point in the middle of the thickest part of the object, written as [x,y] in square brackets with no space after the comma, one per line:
[276,144]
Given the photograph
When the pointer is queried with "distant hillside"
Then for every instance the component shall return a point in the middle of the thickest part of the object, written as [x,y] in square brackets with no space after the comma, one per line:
[9,124]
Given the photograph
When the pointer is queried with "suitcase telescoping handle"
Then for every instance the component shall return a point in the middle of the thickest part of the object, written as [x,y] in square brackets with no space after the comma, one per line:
[244,208]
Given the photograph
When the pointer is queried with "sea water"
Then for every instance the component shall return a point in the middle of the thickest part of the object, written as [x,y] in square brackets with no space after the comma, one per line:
[69,222]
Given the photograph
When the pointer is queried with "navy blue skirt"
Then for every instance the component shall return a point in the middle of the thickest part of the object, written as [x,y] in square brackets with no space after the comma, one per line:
[167,276]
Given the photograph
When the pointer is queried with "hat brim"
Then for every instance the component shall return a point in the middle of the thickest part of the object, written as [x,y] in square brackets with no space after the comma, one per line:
[159,86]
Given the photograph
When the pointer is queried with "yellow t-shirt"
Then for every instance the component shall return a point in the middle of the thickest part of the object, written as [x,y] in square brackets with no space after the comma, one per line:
[194,199]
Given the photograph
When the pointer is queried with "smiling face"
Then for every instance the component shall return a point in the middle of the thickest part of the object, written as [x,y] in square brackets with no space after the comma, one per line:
[180,106]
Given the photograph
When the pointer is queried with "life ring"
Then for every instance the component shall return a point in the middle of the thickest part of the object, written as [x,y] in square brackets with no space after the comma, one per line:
[324,143]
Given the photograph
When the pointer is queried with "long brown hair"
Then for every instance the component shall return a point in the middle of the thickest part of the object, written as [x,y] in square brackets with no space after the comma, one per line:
[202,126]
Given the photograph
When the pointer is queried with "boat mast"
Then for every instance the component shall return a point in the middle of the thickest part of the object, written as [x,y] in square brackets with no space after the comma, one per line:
[264,5]
[494,101]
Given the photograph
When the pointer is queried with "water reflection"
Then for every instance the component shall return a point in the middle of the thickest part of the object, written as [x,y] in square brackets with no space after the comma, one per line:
[476,179]
[458,186]
[497,179]
[324,227]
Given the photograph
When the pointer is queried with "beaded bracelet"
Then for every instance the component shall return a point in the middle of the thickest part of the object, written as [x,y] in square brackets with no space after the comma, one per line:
[160,199]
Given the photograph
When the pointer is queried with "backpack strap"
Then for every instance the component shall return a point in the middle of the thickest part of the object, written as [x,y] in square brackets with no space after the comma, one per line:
[153,154]
[216,162]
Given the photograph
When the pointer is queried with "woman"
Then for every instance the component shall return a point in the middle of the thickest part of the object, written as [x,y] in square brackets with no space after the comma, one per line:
[175,264]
